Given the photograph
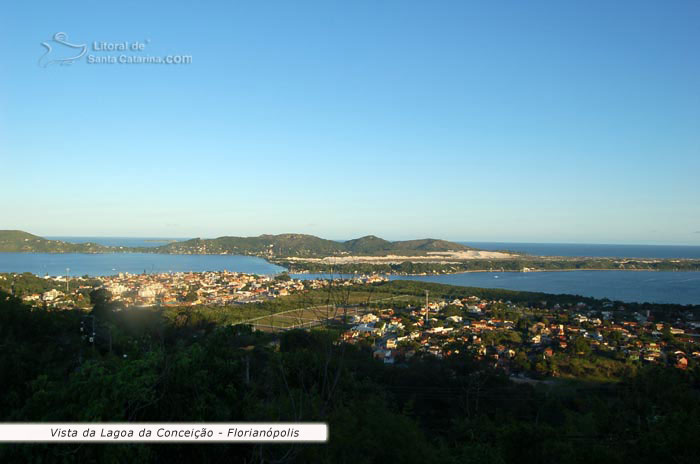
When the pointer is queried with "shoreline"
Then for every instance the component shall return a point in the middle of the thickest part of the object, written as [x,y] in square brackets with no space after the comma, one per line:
[350,276]
[495,272]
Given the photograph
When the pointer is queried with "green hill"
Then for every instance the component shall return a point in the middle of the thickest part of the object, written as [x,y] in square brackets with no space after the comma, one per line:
[269,246]
[367,245]
[19,241]
[371,245]
[306,246]
[428,244]
[287,245]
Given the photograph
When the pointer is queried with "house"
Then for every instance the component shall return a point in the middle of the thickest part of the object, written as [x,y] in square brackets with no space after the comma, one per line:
[51,295]
[384,355]
[363,329]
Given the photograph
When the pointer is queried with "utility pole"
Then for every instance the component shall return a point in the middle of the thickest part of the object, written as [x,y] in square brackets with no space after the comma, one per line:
[427,309]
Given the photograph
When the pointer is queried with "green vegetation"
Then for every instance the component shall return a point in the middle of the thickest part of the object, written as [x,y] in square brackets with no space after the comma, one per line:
[27,283]
[306,246]
[316,299]
[18,241]
[264,245]
[283,245]
[375,246]
[145,365]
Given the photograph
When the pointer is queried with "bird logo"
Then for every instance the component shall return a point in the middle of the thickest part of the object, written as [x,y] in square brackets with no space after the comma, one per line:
[59,51]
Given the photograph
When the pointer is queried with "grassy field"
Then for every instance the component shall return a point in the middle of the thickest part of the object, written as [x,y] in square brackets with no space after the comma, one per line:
[306,317]
[301,309]
[313,310]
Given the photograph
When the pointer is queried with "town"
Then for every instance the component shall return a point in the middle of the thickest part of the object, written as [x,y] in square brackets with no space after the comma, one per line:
[533,340]
[554,340]
[216,288]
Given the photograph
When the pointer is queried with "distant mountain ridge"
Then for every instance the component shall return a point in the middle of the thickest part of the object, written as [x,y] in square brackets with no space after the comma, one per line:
[19,241]
[274,246]
[309,246]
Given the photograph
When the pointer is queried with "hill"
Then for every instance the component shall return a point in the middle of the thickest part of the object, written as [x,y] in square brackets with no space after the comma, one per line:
[372,245]
[307,246]
[20,241]
[268,246]
[428,245]
[367,245]
[288,245]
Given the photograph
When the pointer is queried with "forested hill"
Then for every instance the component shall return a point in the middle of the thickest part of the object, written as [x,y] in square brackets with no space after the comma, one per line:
[308,246]
[19,241]
[277,246]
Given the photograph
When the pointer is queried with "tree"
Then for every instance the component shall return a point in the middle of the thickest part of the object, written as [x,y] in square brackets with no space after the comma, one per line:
[191,296]
[581,346]
[101,306]
[667,336]
[522,362]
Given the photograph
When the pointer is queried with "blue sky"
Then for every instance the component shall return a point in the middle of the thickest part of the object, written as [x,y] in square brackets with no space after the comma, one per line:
[485,121]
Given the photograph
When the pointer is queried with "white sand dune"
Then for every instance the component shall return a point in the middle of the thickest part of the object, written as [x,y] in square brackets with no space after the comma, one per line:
[431,257]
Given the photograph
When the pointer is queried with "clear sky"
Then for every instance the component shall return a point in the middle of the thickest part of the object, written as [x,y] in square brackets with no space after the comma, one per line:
[485,121]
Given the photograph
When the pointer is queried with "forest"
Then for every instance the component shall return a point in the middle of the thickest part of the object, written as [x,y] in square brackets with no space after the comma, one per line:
[145,365]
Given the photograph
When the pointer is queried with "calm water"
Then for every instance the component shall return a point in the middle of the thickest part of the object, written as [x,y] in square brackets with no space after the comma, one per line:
[135,263]
[592,250]
[629,286]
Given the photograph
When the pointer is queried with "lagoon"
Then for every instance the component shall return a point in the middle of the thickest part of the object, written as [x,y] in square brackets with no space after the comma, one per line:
[628,286]
[103,264]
